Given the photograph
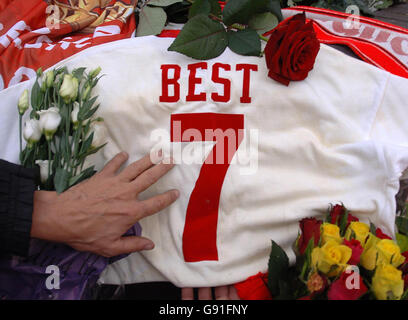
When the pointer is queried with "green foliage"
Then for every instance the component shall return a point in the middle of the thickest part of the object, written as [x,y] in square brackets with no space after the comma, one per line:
[245,42]
[151,21]
[402,241]
[278,267]
[201,38]
[239,26]
[72,142]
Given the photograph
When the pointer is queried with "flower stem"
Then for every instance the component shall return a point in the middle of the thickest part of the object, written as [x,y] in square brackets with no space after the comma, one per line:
[21,140]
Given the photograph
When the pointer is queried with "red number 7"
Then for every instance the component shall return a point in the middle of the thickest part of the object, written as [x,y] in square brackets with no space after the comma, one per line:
[200,229]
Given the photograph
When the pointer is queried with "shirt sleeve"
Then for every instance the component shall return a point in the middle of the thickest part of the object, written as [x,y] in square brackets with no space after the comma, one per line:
[17,186]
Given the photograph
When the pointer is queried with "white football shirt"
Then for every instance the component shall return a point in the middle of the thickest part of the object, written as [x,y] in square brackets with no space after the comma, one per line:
[338,136]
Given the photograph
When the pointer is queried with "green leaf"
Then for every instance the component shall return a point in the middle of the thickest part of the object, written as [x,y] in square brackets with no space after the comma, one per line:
[402,241]
[87,173]
[151,21]
[201,38]
[215,8]
[277,268]
[274,7]
[36,96]
[199,7]
[162,3]
[61,180]
[244,42]
[373,228]
[78,73]
[343,222]
[402,225]
[240,11]
[263,22]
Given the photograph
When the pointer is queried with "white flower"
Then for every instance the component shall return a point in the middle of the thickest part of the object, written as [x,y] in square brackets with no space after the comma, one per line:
[49,78]
[49,121]
[69,88]
[43,164]
[32,131]
[99,137]
[23,102]
[74,115]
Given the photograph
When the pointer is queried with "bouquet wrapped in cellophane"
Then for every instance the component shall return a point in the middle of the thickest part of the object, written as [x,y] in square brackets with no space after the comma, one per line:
[61,131]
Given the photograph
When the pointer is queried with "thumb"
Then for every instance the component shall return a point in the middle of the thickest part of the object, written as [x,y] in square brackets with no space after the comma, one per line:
[131,244]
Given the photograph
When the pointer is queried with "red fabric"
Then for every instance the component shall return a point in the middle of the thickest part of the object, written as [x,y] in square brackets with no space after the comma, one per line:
[254,288]
[26,43]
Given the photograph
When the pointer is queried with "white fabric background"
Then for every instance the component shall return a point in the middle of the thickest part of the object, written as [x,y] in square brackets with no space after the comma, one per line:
[338,136]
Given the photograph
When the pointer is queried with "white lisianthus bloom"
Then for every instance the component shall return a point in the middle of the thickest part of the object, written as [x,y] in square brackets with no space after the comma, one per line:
[50,119]
[43,164]
[23,103]
[100,134]
[74,115]
[69,88]
[32,132]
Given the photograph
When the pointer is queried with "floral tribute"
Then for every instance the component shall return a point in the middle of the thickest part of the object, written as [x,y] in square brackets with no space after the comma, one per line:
[339,258]
[61,131]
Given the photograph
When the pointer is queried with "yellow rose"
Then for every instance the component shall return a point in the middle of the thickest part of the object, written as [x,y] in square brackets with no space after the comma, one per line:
[358,231]
[387,283]
[385,251]
[331,259]
[330,232]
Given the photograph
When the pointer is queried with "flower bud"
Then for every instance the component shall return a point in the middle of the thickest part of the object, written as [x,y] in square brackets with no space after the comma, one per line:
[43,164]
[39,72]
[95,72]
[69,88]
[49,78]
[74,115]
[99,137]
[23,102]
[86,92]
[49,121]
[32,132]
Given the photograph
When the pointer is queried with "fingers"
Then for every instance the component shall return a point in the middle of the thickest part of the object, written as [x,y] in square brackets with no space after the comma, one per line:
[136,168]
[233,294]
[130,244]
[114,165]
[151,176]
[204,294]
[187,294]
[157,203]
[221,293]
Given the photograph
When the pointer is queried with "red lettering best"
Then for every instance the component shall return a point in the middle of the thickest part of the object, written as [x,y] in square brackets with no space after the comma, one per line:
[169,82]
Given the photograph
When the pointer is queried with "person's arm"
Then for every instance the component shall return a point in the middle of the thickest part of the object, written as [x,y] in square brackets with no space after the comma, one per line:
[91,216]
[17,187]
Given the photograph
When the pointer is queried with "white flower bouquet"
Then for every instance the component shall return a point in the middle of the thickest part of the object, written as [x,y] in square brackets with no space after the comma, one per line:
[61,131]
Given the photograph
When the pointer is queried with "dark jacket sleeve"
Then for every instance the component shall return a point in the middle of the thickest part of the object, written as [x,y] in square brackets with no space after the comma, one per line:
[17,186]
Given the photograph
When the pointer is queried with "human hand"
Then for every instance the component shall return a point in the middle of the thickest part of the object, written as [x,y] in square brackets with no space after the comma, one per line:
[95,214]
[220,293]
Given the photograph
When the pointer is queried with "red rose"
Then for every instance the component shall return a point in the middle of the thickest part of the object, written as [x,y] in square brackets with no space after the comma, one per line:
[339,291]
[305,298]
[357,250]
[337,213]
[254,288]
[381,234]
[291,50]
[404,266]
[405,282]
[310,228]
